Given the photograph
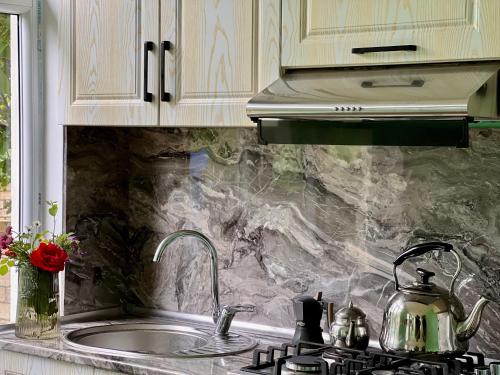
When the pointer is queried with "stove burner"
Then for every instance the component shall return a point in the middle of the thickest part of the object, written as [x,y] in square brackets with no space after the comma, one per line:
[339,353]
[382,372]
[303,363]
[311,358]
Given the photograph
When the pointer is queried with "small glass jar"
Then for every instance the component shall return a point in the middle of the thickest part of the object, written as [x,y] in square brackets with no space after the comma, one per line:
[37,304]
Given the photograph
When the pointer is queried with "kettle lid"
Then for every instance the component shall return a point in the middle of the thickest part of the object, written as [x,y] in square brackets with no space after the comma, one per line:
[349,313]
[423,286]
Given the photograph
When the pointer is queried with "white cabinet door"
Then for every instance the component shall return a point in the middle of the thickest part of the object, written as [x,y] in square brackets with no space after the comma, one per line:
[222,53]
[323,32]
[103,44]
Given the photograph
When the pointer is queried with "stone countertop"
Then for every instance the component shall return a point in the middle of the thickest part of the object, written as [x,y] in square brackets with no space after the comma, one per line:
[58,350]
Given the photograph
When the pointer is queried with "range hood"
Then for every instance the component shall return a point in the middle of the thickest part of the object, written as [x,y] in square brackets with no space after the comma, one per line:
[400,105]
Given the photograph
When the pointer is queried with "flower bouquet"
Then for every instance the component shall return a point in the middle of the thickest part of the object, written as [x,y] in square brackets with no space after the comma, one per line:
[39,255]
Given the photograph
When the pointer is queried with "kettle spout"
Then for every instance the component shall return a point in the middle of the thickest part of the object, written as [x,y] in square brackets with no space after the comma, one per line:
[467,328]
[350,340]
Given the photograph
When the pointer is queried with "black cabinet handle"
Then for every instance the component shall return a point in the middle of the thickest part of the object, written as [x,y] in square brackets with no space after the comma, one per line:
[165,46]
[148,46]
[374,85]
[404,47]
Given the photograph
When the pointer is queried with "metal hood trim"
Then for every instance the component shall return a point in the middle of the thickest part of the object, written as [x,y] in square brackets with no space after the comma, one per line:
[467,90]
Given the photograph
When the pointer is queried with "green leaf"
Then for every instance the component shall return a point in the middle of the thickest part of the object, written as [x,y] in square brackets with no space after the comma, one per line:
[53,208]
[4,270]
[11,263]
[41,236]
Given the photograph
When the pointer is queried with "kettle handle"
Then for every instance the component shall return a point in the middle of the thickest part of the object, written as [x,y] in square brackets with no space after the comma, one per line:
[422,249]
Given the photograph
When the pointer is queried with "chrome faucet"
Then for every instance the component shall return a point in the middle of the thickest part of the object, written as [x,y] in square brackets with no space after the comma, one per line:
[222,316]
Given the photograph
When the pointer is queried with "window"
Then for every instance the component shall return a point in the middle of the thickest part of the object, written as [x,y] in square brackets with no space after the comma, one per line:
[9,140]
[21,127]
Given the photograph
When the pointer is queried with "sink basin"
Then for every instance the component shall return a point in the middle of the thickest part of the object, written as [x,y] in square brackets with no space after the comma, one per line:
[160,340]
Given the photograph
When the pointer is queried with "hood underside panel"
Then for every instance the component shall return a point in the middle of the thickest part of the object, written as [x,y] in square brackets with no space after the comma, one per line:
[452,132]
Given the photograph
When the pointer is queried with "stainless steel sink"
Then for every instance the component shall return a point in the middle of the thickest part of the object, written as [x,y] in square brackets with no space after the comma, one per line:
[160,340]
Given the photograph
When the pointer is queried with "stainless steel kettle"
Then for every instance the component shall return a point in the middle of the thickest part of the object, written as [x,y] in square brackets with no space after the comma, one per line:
[350,329]
[424,318]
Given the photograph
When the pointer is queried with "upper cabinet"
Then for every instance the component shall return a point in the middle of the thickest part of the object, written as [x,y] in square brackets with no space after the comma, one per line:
[222,53]
[319,33]
[110,61]
[167,62]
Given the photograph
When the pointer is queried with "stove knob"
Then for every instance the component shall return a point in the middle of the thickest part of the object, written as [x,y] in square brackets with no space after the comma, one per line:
[482,370]
[495,368]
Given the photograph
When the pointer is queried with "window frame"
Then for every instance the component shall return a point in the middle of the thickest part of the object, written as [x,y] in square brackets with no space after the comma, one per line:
[16,6]
[30,137]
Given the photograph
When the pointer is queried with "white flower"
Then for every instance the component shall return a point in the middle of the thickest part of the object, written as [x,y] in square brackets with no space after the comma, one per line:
[37,224]
[29,229]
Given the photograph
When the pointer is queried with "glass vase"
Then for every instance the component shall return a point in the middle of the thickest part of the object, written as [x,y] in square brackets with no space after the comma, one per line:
[37,304]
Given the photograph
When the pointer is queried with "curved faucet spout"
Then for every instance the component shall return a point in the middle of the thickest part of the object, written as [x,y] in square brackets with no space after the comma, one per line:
[213,262]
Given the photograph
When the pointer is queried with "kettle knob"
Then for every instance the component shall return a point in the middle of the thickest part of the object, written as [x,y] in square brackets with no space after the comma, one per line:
[425,275]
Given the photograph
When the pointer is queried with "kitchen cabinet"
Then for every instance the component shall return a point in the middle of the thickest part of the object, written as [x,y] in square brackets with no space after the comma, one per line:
[12,363]
[223,53]
[319,33]
[104,52]
[207,60]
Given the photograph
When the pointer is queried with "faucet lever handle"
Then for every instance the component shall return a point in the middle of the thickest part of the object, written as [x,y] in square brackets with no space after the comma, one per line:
[226,317]
[233,309]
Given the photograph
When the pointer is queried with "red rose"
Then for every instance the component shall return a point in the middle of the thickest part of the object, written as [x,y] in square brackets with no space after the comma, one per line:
[49,257]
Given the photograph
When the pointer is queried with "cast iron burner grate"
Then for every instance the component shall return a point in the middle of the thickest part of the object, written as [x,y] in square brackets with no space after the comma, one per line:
[342,361]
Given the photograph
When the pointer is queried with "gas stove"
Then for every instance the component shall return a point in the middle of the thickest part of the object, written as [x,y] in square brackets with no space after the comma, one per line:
[311,358]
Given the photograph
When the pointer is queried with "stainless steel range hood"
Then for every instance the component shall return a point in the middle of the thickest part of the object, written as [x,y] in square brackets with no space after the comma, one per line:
[402,105]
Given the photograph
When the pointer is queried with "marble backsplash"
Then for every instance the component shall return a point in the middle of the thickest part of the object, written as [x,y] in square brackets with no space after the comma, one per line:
[285,220]
[97,209]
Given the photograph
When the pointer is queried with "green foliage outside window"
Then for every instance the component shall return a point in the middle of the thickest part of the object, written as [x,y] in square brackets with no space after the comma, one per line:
[5,101]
